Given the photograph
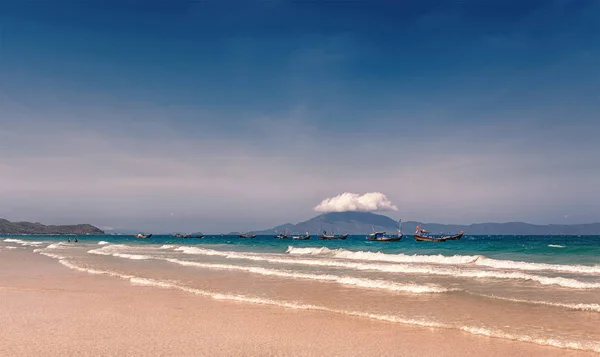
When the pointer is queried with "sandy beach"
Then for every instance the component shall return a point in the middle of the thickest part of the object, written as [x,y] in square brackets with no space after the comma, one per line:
[48,309]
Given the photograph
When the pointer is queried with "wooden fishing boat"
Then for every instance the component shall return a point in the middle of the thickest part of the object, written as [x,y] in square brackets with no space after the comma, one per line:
[421,238]
[381,237]
[326,236]
[193,236]
[421,235]
[304,237]
[454,237]
[284,235]
[247,235]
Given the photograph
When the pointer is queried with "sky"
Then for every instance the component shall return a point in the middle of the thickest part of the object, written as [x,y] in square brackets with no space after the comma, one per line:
[219,116]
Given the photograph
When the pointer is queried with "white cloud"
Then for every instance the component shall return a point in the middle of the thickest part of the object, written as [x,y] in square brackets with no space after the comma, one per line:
[347,201]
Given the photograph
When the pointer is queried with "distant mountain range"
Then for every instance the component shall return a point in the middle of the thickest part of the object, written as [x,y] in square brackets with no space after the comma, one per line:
[7,227]
[366,222]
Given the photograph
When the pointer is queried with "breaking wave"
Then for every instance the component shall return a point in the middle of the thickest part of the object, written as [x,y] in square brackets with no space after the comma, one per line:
[343,280]
[443,260]
[400,268]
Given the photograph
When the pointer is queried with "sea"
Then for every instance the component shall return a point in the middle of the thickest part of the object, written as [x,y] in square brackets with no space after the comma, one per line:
[538,289]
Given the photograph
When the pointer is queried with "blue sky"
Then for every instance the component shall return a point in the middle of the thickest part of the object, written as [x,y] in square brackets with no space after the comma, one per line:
[220,116]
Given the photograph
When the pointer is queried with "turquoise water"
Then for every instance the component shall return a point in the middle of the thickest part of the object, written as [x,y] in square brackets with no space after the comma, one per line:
[583,250]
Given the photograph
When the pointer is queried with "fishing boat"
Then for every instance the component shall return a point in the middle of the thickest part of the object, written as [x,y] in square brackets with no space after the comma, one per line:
[304,237]
[422,235]
[332,236]
[284,235]
[177,235]
[199,235]
[381,237]
[247,235]
[140,235]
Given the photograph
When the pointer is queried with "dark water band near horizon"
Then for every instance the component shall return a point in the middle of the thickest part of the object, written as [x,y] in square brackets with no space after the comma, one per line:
[538,289]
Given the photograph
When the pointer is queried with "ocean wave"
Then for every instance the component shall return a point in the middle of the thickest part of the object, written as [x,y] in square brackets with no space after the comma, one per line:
[23,242]
[401,268]
[103,242]
[52,255]
[382,257]
[343,280]
[115,250]
[109,249]
[556,246]
[136,280]
[480,260]
[569,306]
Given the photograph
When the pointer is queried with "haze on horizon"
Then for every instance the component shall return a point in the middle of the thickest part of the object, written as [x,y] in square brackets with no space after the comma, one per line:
[218,116]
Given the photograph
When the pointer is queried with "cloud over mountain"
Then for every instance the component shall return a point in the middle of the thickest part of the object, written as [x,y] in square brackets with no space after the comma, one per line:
[347,201]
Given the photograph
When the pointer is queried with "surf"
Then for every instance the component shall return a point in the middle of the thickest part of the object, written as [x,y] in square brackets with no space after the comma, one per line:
[400,268]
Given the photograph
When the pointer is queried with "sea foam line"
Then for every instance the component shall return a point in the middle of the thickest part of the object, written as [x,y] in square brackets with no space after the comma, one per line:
[480,260]
[576,345]
[23,242]
[342,280]
[400,268]
[569,306]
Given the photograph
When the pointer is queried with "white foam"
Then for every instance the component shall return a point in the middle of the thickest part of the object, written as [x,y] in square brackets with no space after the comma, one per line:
[577,345]
[402,268]
[167,246]
[570,306]
[51,255]
[382,257]
[555,246]
[102,242]
[23,242]
[9,247]
[343,280]
[109,249]
[527,266]
[445,260]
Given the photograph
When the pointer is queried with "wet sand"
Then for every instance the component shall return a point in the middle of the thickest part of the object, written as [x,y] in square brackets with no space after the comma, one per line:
[47,309]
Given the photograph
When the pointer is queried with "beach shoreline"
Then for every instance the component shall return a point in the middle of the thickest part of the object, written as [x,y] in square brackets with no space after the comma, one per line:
[52,310]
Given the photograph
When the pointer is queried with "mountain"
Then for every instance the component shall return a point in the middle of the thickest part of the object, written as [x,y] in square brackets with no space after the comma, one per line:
[7,227]
[365,222]
[339,222]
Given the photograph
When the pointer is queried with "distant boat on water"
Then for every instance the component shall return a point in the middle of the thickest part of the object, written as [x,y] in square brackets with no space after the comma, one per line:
[422,235]
[284,235]
[304,237]
[199,235]
[332,236]
[381,237]
[247,235]
[141,236]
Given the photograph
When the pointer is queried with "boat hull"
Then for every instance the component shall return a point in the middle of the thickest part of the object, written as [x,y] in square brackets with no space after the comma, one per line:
[419,238]
[334,237]
[197,237]
[454,237]
[301,238]
[385,239]
[245,236]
